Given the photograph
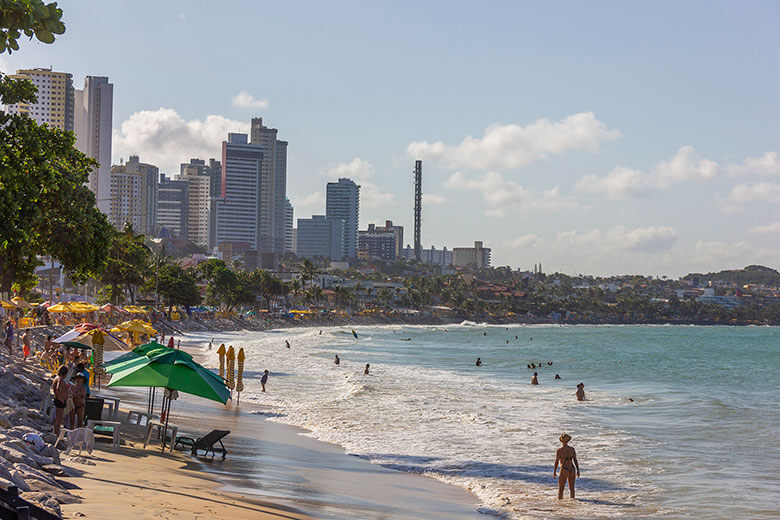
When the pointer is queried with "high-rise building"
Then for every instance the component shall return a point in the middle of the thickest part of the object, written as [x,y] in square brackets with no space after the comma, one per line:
[320,236]
[143,209]
[273,186]
[172,207]
[236,214]
[342,201]
[289,215]
[205,188]
[212,170]
[384,242]
[477,256]
[55,97]
[92,123]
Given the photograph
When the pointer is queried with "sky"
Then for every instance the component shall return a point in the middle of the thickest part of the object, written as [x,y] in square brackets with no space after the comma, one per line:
[601,138]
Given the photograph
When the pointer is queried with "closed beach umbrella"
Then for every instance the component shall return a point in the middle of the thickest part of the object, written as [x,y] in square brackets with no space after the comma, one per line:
[221,351]
[21,303]
[240,373]
[231,368]
[97,344]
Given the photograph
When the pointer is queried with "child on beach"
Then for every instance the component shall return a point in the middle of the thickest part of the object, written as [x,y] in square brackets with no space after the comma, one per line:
[580,392]
[264,379]
[26,344]
[567,458]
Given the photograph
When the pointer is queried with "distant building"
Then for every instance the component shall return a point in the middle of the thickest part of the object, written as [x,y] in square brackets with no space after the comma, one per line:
[93,123]
[140,204]
[430,256]
[172,207]
[237,209]
[289,242]
[383,242]
[477,256]
[55,97]
[320,236]
[273,187]
[342,201]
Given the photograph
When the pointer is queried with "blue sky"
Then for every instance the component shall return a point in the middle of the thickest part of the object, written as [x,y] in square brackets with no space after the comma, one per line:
[598,138]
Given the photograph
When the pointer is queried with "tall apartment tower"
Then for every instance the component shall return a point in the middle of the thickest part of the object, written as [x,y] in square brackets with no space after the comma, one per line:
[204,184]
[172,207]
[135,205]
[55,97]
[236,216]
[289,222]
[342,201]
[273,186]
[92,123]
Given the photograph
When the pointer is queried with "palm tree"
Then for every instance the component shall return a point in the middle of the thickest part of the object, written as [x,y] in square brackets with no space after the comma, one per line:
[308,271]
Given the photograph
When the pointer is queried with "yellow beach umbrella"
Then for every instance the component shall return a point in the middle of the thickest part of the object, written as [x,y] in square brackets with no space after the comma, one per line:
[139,326]
[21,303]
[240,374]
[83,307]
[7,305]
[62,307]
[231,368]
[221,351]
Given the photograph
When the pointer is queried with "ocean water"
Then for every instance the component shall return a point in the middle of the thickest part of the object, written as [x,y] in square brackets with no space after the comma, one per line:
[679,422]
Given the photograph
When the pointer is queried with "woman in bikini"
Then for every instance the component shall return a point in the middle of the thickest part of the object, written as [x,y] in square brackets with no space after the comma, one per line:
[61,390]
[78,391]
[567,458]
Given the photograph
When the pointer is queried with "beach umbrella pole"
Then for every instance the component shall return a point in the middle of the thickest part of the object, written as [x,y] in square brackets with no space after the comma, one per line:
[165,430]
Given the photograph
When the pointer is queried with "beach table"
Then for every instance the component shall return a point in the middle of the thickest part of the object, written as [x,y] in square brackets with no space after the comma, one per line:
[135,416]
[112,403]
[156,423]
[114,425]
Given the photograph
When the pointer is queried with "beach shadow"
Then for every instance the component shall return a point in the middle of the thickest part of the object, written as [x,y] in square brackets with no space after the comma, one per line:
[258,507]
[599,502]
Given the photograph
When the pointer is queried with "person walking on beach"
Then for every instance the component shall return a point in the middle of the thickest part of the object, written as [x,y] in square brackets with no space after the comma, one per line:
[580,392]
[534,379]
[60,390]
[9,337]
[264,379]
[567,458]
[26,344]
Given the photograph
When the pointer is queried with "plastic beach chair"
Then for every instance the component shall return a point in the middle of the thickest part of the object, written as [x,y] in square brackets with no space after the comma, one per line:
[205,443]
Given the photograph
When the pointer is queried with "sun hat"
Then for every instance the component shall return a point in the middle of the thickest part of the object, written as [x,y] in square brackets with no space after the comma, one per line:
[565,437]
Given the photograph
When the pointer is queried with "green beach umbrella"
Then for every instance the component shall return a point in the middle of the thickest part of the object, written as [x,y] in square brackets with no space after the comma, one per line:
[138,353]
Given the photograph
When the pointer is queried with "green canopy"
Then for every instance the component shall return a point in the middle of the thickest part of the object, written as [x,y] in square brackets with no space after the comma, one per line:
[170,368]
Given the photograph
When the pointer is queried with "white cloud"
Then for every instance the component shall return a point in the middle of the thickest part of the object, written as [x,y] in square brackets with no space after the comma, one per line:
[360,171]
[161,137]
[643,239]
[684,166]
[524,242]
[761,192]
[314,202]
[504,195]
[508,147]
[765,230]
[245,100]
[432,199]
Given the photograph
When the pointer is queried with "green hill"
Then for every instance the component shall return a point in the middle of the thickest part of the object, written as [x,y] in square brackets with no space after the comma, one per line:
[756,274]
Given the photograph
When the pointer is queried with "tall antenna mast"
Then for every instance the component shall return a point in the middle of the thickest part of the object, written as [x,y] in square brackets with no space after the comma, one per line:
[417,209]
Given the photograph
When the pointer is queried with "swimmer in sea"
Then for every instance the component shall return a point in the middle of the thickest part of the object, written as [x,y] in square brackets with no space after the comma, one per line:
[366,369]
[479,362]
[567,458]
[534,380]
[287,343]
[549,363]
[336,361]
[484,333]
[557,376]
[580,392]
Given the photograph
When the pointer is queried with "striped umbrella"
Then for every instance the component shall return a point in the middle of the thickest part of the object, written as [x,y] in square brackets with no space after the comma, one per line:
[231,368]
[221,351]
[240,375]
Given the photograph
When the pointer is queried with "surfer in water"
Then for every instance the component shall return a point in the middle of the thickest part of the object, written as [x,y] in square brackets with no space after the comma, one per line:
[567,458]
[354,334]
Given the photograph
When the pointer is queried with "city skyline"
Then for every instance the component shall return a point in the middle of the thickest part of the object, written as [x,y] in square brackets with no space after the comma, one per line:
[618,140]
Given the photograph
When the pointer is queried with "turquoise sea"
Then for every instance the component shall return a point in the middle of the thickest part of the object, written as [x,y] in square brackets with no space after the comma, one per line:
[680,422]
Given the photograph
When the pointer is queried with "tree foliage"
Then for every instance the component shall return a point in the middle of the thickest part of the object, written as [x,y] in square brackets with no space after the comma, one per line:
[176,285]
[33,18]
[127,263]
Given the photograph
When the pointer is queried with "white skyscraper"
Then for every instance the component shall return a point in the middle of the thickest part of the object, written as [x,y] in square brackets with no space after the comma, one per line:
[342,201]
[92,122]
[273,186]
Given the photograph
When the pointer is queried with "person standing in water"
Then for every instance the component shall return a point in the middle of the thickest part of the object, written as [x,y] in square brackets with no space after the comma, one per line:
[264,379]
[479,362]
[567,458]
[337,360]
[534,379]
[287,343]
[366,369]
[580,392]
